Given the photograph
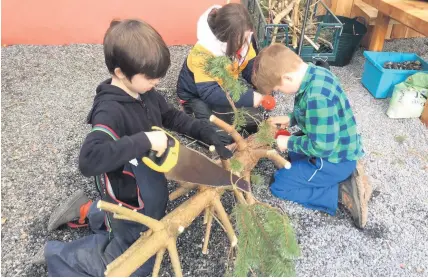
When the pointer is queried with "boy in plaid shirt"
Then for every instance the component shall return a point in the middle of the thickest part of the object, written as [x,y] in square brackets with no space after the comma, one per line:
[327,151]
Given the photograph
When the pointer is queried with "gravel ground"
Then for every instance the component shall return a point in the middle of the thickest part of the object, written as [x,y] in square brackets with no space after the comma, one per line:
[47,92]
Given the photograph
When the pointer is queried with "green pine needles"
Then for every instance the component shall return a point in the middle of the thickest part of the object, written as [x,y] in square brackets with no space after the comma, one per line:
[267,245]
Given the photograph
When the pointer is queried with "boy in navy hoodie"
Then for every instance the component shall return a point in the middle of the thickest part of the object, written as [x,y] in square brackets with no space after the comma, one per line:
[125,109]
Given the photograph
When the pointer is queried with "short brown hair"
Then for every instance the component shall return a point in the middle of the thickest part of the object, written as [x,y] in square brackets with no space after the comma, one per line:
[271,63]
[135,47]
[229,24]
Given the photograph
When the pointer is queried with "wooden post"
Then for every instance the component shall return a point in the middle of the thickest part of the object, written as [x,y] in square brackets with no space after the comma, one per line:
[424,116]
[379,32]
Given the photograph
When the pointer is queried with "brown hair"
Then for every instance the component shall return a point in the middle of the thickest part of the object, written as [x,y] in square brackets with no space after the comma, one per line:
[271,63]
[135,47]
[229,24]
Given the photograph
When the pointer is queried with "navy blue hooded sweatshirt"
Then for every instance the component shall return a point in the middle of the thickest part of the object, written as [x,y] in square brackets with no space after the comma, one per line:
[124,121]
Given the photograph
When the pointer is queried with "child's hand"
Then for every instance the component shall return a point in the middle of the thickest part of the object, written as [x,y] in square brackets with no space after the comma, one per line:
[282,142]
[159,141]
[280,121]
[257,99]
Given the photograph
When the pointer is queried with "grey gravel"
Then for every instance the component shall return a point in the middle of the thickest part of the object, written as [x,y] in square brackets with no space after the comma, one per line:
[47,92]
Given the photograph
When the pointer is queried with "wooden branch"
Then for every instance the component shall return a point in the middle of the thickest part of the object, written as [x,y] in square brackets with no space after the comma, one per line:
[207,212]
[274,156]
[295,16]
[240,142]
[137,254]
[239,196]
[153,224]
[224,218]
[249,195]
[208,230]
[173,224]
[158,262]
[175,259]
[182,190]
[280,16]
[311,42]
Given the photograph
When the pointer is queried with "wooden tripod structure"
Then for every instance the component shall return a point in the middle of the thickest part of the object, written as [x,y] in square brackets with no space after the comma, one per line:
[162,234]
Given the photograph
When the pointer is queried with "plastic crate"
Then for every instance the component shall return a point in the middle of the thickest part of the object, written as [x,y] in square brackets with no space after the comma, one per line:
[329,26]
[379,81]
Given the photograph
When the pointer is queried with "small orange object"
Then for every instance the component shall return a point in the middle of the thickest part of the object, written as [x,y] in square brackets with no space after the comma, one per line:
[268,102]
[84,209]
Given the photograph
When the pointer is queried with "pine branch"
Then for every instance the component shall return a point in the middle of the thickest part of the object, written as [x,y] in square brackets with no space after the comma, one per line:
[267,242]
[239,119]
[219,69]
[264,135]
[236,166]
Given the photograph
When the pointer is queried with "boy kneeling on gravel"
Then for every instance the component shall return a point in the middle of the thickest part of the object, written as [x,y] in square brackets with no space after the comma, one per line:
[327,151]
[125,109]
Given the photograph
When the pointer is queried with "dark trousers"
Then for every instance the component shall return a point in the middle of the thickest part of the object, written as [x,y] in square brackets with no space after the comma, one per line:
[90,255]
[201,110]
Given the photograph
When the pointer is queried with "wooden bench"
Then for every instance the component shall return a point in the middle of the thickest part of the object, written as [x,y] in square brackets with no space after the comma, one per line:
[411,13]
[369,13]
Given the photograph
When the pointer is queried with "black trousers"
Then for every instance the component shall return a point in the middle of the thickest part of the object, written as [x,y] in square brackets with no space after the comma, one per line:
[201,110]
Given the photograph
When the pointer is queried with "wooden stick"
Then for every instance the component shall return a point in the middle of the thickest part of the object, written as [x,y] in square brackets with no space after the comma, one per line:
[206,215]
[158,262]
[239,196]
[175,259]
[240,142]
[311,42]
[153,224]
[249,195]
[208,230]
[137,254]
[280,16]
[182,190]
[224,218]
[295,22]
[274,156]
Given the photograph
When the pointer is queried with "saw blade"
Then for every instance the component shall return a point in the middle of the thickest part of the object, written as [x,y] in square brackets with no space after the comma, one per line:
[195,167]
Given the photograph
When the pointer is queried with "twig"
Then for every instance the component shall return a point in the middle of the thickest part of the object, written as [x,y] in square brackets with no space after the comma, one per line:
[124,213]
[175,259]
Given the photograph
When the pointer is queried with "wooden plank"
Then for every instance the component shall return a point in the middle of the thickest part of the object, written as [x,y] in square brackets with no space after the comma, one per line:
[379,32]
[364,10]
[424,116]
[343,8]
[373,3]
[389,31]
[399,31]
[413,34]
[413,14]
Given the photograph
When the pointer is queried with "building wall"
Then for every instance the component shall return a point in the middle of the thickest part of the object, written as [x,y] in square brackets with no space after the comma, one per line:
[85,21]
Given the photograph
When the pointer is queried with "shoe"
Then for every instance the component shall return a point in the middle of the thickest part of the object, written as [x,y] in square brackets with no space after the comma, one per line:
[354,194]
[76,207]
[39,258]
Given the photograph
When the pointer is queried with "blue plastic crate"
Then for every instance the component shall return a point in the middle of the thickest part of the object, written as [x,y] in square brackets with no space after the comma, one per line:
[380,81]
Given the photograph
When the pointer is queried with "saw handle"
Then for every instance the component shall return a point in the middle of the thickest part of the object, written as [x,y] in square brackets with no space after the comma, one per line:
[169,158]
[159,160]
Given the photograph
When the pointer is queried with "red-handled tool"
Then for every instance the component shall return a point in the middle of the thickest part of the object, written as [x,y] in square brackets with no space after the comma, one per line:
[281,131]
